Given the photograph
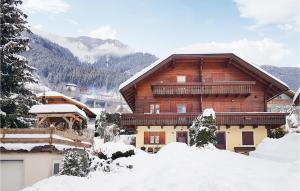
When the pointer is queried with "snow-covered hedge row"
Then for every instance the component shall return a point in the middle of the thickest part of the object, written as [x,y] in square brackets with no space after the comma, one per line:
[100,158]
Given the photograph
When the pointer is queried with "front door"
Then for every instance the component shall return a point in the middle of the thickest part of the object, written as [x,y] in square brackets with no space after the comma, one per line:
[182,137]
[221,140]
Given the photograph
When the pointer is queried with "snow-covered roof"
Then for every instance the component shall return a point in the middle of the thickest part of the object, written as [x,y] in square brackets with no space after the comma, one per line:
[140,73]
[31,146]
[156,63]
[54,94]
[56,108]
[296,95]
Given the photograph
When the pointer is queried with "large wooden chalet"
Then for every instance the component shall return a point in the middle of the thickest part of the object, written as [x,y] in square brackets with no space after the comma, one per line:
[166,96]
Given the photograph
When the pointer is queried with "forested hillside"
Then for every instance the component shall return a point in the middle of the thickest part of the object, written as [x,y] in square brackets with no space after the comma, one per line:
[57,65]
[290,75]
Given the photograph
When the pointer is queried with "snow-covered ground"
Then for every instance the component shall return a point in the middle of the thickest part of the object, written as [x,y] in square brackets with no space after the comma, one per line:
[285,149]
[180,167]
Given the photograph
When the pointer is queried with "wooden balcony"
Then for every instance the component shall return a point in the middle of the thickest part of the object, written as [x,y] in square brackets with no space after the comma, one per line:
[198,88]
[48,136]
[230,118]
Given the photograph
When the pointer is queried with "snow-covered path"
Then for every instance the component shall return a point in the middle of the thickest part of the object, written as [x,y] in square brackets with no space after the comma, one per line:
[179,167]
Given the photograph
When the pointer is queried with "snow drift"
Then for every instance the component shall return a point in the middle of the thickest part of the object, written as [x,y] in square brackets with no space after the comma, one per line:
[180,167]
[285,149]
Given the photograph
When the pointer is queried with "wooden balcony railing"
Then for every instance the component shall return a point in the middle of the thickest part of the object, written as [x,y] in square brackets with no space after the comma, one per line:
[48,136]
[198,88]
[232,118]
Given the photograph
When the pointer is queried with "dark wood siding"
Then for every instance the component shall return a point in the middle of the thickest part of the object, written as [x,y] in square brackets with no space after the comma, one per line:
[212,72]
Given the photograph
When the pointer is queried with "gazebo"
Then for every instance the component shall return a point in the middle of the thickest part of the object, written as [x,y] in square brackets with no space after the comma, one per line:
[61,116]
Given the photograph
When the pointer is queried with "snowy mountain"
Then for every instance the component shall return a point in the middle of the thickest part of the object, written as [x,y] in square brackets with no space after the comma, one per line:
[61,60]
[88,49]
[58,65]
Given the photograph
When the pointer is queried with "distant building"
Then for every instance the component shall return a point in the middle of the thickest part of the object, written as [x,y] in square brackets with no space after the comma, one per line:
[281,103]
[122,108]
[294,117]
[71,87]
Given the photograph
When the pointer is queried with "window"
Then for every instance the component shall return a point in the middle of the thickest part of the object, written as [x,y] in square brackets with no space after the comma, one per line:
[157,108]
[181,79]
[151,108]
[247,138]
[56,167]
[151,139]
[181,108]
[154,108]
[182,137]
[157,139]
[154,137]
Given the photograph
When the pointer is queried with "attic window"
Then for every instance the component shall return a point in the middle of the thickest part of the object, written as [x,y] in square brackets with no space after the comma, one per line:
[181,79]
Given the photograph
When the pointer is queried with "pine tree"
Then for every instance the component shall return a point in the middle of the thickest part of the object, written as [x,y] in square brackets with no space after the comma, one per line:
[16,100]
[203,129]
[108,125]
[276,133]
[76,164]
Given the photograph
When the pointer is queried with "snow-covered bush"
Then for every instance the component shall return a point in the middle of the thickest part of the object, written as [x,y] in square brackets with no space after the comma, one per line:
[108,125]
[104,156]
[276,133]
[203,129]
[76,163]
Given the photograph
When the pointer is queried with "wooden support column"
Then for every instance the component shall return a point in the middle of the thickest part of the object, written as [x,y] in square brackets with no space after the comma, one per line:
[201,80]
[41,120]
[265,96]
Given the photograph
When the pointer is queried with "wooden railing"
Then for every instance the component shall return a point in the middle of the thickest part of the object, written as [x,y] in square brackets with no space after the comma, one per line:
[232,118]
[47,135]
[198,88]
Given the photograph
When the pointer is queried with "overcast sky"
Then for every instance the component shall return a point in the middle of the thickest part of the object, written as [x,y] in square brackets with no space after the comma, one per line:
[260,31]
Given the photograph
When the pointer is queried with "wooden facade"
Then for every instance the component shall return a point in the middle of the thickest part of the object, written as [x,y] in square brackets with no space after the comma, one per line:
[224,82]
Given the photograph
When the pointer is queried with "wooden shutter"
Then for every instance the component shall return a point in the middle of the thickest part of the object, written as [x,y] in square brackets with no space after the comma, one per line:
[247,138]
[146,137]
[189,107]
[162,139]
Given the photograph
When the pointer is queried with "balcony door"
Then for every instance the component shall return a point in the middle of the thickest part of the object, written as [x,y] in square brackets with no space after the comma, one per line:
[182,137]
[221,140]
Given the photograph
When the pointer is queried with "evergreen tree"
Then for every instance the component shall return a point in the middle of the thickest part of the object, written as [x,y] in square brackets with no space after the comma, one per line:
[76,164]
[276,133]
[203,129]
[16,100]
[108,125]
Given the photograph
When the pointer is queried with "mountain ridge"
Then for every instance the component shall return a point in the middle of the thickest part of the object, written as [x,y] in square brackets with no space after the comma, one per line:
[58,65]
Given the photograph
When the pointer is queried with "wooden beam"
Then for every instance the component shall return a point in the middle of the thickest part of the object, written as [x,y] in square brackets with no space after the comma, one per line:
[41,120]
[265,97]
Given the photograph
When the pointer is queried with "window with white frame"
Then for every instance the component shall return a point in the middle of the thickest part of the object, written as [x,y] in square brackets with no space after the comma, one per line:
[151,108]
[181,108]
[157,109]
[181,79]
[154,108]
[152,139]
[157,139]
